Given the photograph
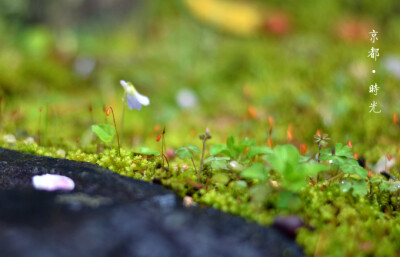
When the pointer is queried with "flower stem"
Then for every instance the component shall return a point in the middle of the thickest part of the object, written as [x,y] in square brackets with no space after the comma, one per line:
[202,155]
[115,125]
[319,153]
[123,116]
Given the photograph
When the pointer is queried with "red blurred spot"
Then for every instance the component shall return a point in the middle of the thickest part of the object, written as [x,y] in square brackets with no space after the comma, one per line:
[303,149]
[319,132]
[349,144]
[353,30]
[159,137]
[108,111]
[252,112]
[90,108]
[40,109]
[77,139]
[395,118]
[157,128]
[389,157]
[277,24]
[269,142]
[104,108]
[369,173]
[355,156]
[289,132]
[271,121]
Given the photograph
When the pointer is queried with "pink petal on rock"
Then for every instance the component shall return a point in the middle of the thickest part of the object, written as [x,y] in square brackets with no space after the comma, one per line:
[52,182]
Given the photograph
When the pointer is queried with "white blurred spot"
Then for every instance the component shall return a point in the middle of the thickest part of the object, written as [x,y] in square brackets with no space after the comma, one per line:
[384,164]
[61,153]
[186,99]
[392,65]
[29,141]
[9,138]
[84,66]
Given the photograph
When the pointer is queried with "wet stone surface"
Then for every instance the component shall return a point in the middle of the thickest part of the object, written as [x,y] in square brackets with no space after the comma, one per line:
[110,215]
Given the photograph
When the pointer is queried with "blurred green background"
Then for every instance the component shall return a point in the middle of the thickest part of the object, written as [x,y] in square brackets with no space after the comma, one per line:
[226,65]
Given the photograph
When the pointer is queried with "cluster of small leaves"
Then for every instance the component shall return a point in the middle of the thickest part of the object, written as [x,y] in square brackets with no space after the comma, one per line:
[341,158]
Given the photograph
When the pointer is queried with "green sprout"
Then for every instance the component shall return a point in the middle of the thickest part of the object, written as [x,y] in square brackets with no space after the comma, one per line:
[105,132]
[206,136]
[188,152]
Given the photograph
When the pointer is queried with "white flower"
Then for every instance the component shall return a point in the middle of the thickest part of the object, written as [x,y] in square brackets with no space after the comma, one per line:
[29,141]
[10,138]
[61,153]
[52,182]
[134,99]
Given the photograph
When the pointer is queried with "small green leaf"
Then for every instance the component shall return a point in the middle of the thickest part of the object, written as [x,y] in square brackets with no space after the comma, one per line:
[230,142]
[255,171]
[217,149]
[194,148]
[351,166]
[257,150]
[213,158]
[377,180]
[235,166]
[220,178]
[394,186]
[259,193]
[345,185]
[343,150]
[360,188]
[184,153]
[240,184]
[104,131]
[219,165]
[384,186]
[288,200]
[148,151]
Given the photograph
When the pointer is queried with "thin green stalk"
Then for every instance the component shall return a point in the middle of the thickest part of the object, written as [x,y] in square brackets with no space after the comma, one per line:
[202,154]
[123,116]
[195,169]
[115,125]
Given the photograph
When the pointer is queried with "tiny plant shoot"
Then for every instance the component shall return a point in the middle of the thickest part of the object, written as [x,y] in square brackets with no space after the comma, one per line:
[321,140]
[204,138]
[106,132]
[161,137]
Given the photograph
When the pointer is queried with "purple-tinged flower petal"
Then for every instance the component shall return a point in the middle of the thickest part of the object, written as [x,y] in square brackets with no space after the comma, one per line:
[133,102]
[144,100]
[52,182]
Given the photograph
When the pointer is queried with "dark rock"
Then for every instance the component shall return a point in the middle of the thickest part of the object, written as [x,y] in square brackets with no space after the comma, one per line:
[110,215]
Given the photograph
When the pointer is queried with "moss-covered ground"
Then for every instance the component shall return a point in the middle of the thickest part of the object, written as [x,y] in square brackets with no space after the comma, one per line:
[263,96]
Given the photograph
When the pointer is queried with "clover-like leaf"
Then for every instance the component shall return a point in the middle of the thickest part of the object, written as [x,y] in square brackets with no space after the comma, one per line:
[194,148]
[104,131]
[184,153]
[343,150]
